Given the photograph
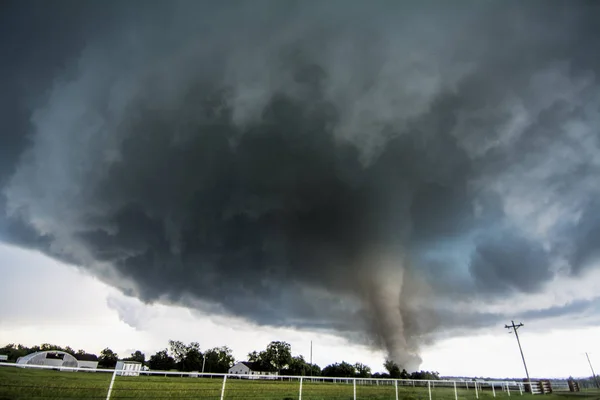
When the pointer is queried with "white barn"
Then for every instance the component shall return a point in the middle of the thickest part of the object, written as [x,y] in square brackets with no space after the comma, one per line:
[249,368]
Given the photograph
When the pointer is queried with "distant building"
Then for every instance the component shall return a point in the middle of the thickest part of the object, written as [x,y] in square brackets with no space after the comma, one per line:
[3,357]
[88,361]
[249,368]
[128,368]
[53,358]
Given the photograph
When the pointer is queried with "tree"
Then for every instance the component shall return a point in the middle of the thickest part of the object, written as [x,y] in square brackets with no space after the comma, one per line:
[82,355]
[261,361]
[341,370]
[137,356]
[187,357]
[161,361]
[219,359]
[392,368]
[15,351]
[192,361]
[425,375]
[362,370]
[279,355]
[299,367]
[178,350]
[108,358]
[49,347]
[253,356]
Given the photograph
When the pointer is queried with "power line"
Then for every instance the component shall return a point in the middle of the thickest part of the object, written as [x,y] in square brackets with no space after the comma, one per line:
[515,328]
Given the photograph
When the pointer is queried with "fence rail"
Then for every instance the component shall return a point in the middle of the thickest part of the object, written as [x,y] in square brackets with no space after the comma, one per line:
[36,381]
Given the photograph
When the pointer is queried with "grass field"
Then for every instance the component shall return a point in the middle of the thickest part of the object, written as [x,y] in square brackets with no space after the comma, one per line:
[18,383]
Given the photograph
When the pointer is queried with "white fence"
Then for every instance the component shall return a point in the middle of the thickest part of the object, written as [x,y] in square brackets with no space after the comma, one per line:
[110,384]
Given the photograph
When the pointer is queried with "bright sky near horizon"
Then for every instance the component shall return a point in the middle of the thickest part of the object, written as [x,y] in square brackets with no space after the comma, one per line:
[51,302]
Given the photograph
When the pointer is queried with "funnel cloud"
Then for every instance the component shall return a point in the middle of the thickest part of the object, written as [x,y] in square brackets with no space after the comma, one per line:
[384,170]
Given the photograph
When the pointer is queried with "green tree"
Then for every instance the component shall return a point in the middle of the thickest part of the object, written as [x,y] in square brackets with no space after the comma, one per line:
[341,370]
[161,361]
[362,370]
[137,356]
[84,356]
[299,367]
[108,358]
[392,368]
[192,361]
[425,375]
[15,351]
[187,357]
[177,350]
[261,360]
[219,359]
[279,355]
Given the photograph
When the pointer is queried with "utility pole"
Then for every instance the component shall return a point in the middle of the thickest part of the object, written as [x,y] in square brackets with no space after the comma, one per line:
[515,328]
[593,373]
[311,366]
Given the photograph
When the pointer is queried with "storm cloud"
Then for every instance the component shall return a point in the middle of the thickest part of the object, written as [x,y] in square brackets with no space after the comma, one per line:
[349,166]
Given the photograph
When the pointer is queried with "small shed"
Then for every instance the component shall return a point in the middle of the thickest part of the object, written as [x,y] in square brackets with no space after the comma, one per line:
[87,361]
[128,368]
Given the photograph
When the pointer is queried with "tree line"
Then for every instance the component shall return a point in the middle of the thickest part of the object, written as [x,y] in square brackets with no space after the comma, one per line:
[179,356]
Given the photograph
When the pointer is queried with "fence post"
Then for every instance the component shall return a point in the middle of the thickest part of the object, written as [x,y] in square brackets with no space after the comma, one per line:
[396,384]
[493,389]
[354,382]
[476,392]
[455,392]
[520,389]
[507,389]
[110,386]
[223,388]
[428,387]
[300,394]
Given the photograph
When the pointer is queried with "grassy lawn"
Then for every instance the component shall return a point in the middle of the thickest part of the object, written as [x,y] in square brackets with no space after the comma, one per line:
[18,383]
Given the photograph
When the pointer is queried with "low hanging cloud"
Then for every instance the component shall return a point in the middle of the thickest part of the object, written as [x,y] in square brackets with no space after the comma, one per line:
[333,165]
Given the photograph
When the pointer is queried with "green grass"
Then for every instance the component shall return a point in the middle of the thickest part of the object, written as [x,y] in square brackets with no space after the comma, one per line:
[20,383]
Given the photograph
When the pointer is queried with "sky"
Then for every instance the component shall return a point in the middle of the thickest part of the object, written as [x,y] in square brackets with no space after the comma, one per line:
[51,302]
[391,180]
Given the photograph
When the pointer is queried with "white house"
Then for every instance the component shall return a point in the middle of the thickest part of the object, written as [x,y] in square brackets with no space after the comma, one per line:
[249,368]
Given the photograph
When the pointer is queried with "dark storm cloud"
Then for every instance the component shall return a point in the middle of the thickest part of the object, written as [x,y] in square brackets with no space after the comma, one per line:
[341,164]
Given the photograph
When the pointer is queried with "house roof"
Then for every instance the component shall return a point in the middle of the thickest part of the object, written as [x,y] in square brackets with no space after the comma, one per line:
[254,366]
